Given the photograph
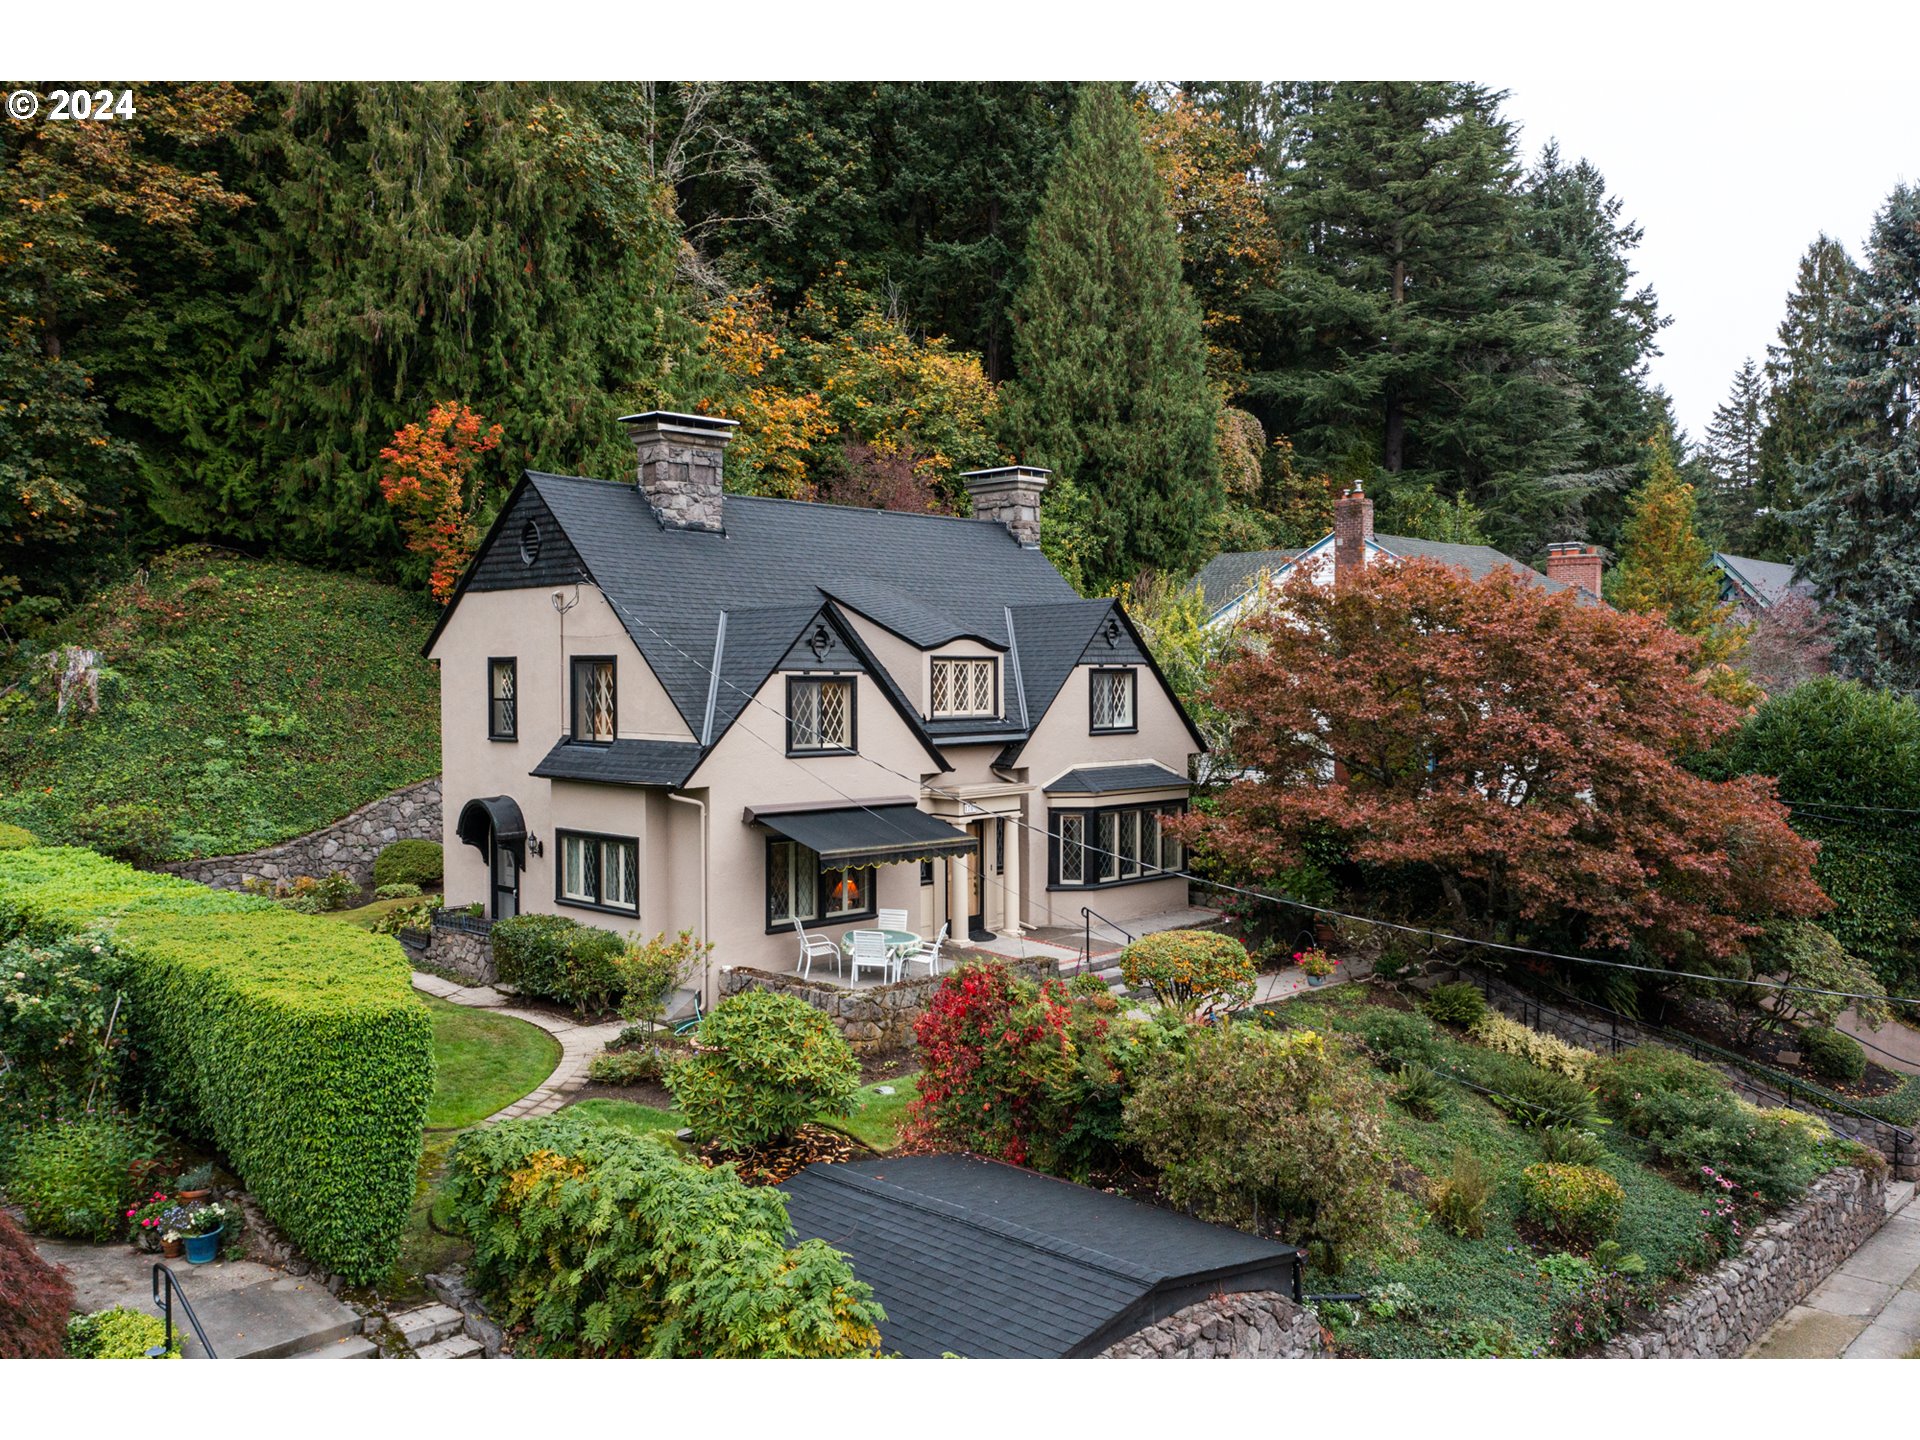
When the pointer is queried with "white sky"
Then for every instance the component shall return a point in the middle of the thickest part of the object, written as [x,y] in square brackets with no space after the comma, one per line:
[1732,180]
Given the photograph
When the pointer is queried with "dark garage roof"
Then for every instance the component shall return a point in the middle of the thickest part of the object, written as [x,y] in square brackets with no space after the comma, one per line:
[981,1259]
[1116,779]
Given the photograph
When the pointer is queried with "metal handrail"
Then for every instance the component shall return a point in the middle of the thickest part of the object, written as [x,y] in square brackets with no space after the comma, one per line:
[164,1280]
[1087,917]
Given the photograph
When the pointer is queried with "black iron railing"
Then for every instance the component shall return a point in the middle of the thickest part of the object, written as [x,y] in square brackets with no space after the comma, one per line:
[1087,917]
[166,1290]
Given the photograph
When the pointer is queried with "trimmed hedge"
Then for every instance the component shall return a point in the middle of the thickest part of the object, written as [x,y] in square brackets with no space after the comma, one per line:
[16,837]
[410,862]
[294,1044]
[559,959]
[1833,1055]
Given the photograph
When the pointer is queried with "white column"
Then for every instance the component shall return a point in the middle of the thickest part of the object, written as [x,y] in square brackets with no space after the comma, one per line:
[1010,891]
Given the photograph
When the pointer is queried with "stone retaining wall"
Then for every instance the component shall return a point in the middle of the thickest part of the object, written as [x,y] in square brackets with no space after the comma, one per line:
[876,1019]
[1726,1311]
[349,845]
[1252,1325]
[461,948]
[1608,1035]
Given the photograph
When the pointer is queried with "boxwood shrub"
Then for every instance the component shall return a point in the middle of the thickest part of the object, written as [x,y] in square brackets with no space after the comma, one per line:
[1836,1056]
[15,837]
[1578,1203]
[292,1043]
[559,959]
[409,862]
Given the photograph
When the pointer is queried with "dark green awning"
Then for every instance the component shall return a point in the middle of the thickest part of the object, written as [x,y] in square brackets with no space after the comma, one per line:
[874,835]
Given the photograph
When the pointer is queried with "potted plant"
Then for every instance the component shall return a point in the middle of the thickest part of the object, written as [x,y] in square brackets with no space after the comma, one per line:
[173,1240]
[196,1185]
[1317,963]
[205,1225]
[147,1221]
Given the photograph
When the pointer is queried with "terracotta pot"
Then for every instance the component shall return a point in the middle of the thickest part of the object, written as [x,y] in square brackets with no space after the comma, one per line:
[192,1197]
[173,1249]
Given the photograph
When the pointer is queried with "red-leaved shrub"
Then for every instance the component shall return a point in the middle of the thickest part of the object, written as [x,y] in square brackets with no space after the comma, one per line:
[34,1299]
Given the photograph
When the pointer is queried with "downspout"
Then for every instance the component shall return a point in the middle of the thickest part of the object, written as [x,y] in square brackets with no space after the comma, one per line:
[706,965]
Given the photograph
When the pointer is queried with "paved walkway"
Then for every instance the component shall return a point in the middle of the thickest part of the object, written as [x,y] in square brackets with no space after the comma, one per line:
[578,1043]
[1868,1309]
[1893,1045]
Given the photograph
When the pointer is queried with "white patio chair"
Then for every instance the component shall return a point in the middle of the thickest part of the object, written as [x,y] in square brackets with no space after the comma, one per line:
[814,947]
[892,920]
[927,954]
[870,949]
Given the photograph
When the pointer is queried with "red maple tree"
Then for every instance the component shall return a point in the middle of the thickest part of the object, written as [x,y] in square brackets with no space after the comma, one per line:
[432,481]
[1515,754]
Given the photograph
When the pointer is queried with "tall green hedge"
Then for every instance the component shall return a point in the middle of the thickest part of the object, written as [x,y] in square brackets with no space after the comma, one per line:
[293,1043]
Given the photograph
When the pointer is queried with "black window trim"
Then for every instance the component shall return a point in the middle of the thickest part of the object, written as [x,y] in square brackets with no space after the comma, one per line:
[1092,814]
[560,897]
[820,919]
[574,662]
[853,713]
[513,663]
[999,710]
[1132,672]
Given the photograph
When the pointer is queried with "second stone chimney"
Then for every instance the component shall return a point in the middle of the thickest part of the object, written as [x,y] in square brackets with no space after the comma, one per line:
[1573,563]
[1010,495]
[679,466]
[1352,532]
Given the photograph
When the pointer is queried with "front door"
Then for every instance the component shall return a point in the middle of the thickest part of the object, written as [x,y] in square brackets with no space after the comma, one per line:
[982,832]
[506,881]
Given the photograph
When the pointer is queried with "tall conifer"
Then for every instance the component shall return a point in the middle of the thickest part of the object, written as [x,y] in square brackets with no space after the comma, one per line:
[1733,504]
[1113,394]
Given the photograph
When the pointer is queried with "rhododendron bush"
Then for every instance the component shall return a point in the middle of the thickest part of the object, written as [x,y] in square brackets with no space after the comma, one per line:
[1510,757]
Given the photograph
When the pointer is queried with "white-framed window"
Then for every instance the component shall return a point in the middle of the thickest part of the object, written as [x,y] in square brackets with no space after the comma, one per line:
[820,715]
[964,687]
[798,889]
[1114,845]
[599,871]
[1113,700]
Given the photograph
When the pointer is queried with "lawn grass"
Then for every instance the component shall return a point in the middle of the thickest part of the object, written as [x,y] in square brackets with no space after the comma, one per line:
[483,1062]
[877,1118]
[248,700]
[365,916]
[1484,1296]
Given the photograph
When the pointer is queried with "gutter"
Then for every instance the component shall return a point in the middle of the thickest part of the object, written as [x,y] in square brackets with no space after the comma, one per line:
[706,968]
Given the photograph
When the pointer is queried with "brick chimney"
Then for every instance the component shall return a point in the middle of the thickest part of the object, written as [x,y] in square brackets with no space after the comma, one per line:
[1572,563]
[1011,495]
[1352,530]
[679,466]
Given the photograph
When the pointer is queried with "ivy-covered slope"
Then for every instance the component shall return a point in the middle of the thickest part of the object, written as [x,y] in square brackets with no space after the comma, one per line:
[249,701]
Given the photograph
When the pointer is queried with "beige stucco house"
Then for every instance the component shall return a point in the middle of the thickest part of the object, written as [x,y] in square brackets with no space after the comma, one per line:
[666,709]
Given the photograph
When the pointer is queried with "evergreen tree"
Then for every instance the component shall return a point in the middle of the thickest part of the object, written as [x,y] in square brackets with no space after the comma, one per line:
[1665,567]
[1418,326]
[1796,428]
[498,245]
[1732,461]
[1572,220]
[1113,394]
[1863,489]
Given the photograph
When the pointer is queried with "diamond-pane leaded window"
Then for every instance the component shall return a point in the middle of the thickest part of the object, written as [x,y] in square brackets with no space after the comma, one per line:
[963,688]
[601,871]
[1103,847]
[1073,849]
[1113,699]
[502,714]
[593,697]
[820,715]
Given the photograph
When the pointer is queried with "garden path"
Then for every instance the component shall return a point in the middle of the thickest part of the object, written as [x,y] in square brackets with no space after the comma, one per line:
[1893,1045]
[1868,1309]
[578,1043]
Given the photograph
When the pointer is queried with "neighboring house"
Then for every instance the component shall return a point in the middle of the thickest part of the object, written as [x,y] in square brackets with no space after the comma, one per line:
[666,709]
[1756,586]
[1231,583]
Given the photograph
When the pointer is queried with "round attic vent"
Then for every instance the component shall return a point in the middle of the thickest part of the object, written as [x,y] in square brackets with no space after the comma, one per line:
[529,542]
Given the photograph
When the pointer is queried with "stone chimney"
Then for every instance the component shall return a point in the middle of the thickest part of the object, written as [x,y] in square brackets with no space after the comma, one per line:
[1352,530]
[1573,563]
[679,466]
[1010,495]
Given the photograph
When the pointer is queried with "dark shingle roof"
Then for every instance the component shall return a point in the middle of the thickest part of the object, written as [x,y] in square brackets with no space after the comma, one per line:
[1479,561]
[977,1258]
[1768,581]
[624,762]
[1224,576]
[917,575]
[1113,779]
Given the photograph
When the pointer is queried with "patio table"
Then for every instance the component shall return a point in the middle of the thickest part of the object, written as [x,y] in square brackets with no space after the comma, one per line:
[899,942]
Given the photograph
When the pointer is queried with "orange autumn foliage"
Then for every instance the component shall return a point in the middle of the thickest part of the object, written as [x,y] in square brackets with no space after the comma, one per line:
[432,481]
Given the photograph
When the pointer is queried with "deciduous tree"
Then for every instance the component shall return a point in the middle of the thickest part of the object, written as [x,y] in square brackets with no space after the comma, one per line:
[432,480]
[1511,755]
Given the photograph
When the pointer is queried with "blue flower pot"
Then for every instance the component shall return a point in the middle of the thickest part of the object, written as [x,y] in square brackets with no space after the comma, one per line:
[1316,979]
[202,1248]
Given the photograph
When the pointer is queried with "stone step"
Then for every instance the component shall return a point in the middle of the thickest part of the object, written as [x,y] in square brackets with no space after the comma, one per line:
[454,1347]
[351,1347]
[1899,1193]
[428,1324]
[270,1320]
